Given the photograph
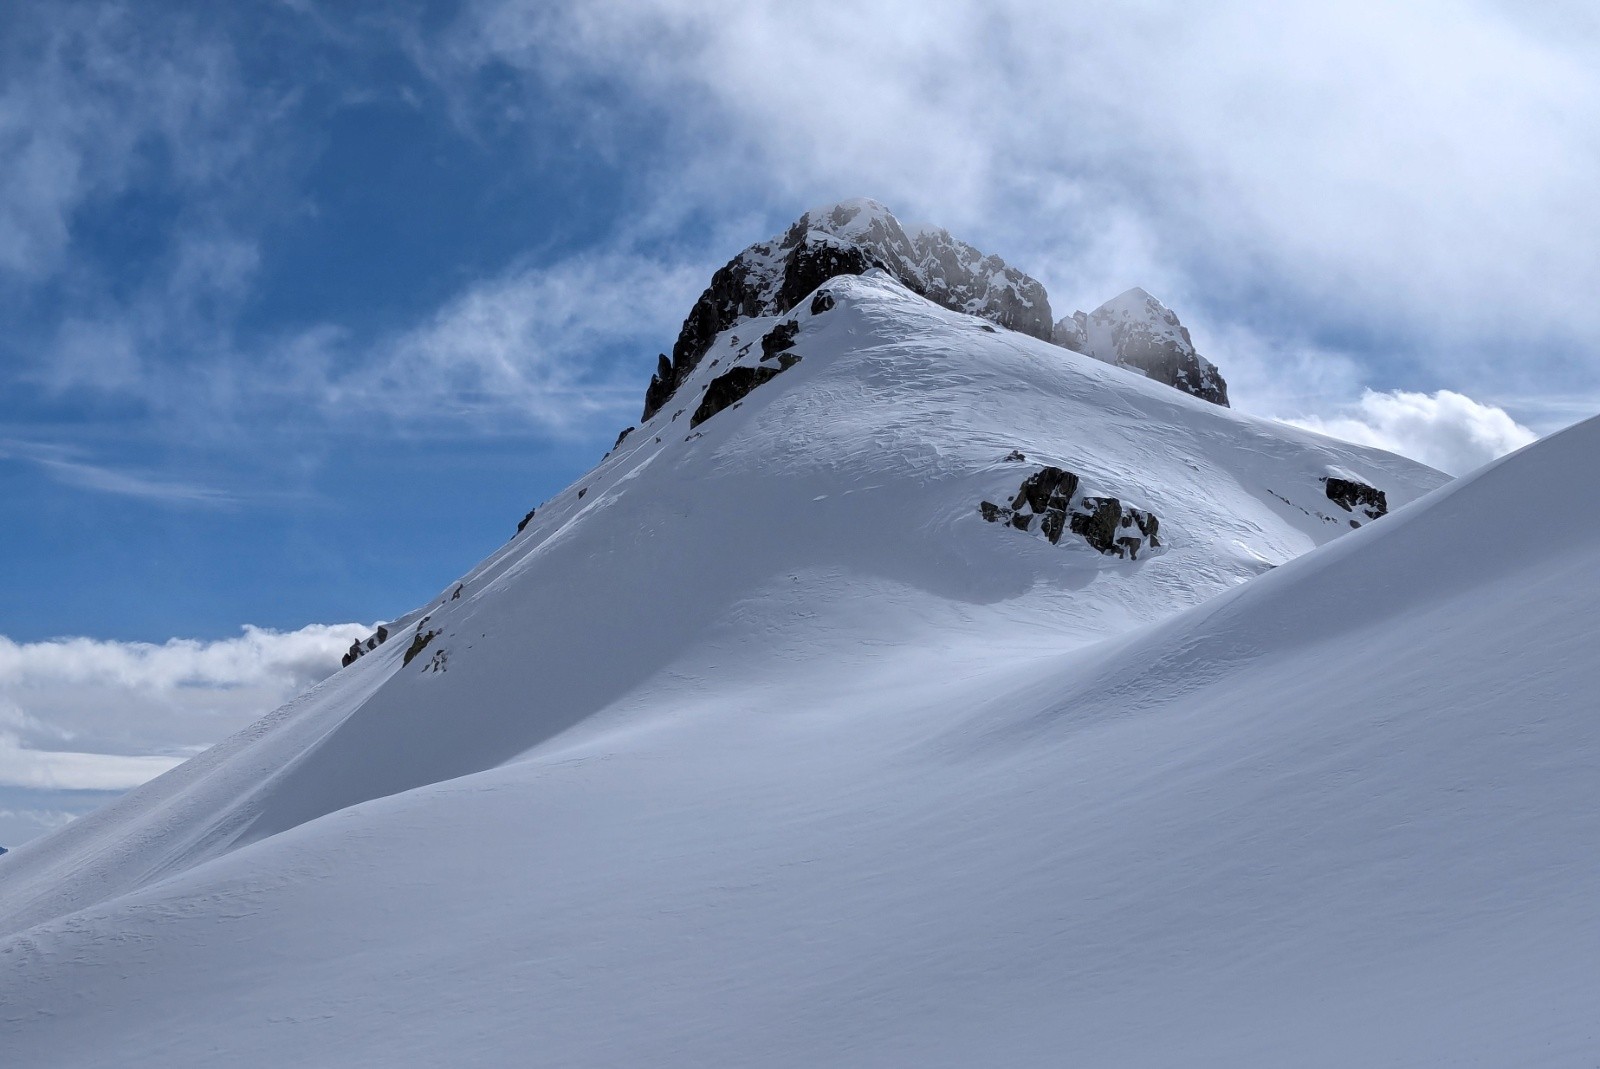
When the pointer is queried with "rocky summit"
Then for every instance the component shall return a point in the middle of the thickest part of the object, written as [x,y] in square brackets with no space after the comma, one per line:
[1137,331]
[852,237]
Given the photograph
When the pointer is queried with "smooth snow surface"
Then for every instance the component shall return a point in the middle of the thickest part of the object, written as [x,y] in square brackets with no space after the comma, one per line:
[768,750]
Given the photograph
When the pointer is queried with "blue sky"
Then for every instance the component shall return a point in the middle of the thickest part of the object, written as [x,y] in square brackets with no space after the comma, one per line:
[306,303]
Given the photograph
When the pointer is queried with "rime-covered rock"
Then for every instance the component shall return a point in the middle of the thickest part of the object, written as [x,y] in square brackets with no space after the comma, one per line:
[1352,495]
[1137,331]
[1051,495]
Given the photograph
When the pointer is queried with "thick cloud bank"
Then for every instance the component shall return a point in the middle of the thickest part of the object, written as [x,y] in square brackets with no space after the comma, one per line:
[1447,430]
[81,717]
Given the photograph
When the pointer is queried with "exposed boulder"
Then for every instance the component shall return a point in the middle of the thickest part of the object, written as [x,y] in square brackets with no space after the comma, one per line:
[1137,331]
[852,237]
[1051,495]
[822,302]
[522,523]
[1355,496]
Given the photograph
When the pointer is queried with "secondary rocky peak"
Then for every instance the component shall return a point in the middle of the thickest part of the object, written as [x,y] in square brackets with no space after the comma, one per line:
[851,237]
[1135,330]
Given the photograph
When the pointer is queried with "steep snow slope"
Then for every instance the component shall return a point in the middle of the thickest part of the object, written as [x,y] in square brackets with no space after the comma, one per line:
[767,749]
[828,519]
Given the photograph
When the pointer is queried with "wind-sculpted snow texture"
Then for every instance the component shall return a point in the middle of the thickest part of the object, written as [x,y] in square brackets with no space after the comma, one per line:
[768,750]
[1136,330]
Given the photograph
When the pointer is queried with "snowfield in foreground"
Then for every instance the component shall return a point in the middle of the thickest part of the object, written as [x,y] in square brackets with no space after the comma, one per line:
[766,749]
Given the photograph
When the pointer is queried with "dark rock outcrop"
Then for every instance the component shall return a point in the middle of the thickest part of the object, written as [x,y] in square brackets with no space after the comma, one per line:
[733,385]
[419,642]
[522,523]
[357,648]
[1353,496]
[1051,496]
[662,383]
[778,339]
[1137,331]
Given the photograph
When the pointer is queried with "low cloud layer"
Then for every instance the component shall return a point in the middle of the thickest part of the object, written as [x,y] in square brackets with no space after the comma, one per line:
[80,717]
[1447,430]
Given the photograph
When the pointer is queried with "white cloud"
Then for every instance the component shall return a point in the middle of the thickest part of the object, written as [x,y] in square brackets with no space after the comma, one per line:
[1447,430]
[93,714]
[67,770]
[1420,171]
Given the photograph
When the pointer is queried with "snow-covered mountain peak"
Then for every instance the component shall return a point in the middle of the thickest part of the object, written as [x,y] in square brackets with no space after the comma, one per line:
[868,468]
[857,235]
[848,238]
[905,690]
[1135,330]
[857,219]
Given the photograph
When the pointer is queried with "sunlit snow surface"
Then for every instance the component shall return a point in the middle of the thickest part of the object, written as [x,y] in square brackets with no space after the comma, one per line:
[767,750]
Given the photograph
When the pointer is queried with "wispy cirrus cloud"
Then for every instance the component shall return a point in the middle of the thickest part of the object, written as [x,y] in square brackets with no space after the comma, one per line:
[534,346]
[93,98]
[68,466]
